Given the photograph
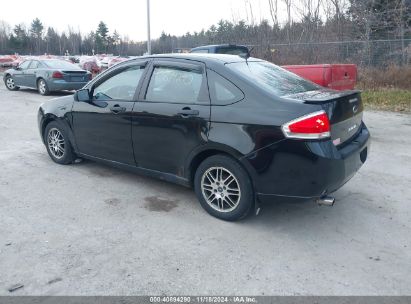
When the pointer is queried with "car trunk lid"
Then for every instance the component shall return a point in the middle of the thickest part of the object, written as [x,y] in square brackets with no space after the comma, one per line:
[75,76]
[344,110]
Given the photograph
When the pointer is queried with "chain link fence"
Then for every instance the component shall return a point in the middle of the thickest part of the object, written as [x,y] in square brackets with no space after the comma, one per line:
[374,53]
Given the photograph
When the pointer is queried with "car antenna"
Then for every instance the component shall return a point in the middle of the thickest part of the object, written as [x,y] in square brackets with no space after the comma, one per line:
[248,55]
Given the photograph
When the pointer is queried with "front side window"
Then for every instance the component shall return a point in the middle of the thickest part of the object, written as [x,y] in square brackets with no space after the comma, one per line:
[24,65]
[272,77]
[34,64]
[222,91]
[176,85]
[121,86]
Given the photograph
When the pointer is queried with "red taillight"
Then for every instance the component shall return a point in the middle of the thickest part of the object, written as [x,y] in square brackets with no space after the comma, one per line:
[57,74]
[312,126]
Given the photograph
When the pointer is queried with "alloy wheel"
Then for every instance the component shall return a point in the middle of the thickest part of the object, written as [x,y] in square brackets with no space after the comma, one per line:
[10,83]
[42,86]
[221,189]
[56,143]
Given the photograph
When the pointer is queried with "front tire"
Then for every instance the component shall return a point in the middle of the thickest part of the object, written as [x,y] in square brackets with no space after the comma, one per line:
[42,87]
[224,188]
[10,85]
[58,145]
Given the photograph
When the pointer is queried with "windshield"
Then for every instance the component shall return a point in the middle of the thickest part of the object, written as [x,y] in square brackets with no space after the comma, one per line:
[272,77]
[240,51]
[60,64]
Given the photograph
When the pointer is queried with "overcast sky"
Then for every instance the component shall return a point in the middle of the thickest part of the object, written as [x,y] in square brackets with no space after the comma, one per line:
[128,17]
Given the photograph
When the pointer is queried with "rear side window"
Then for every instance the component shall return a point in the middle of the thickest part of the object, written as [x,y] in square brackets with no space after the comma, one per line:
[222,91]
[120,86]
[272,77]
[175,85]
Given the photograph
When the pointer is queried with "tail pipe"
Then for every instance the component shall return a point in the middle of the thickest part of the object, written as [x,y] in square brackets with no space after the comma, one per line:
[326,201]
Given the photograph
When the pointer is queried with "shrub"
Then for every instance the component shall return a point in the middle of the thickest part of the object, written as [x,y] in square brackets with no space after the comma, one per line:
[392,76]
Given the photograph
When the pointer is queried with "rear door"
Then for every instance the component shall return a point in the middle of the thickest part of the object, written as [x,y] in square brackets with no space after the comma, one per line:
[172,115]
[102,127]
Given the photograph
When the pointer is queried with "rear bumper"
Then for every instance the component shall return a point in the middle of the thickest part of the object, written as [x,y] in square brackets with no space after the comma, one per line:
[60,85]
[298,170]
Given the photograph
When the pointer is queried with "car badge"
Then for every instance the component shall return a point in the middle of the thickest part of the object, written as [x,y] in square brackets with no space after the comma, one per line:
[352,128]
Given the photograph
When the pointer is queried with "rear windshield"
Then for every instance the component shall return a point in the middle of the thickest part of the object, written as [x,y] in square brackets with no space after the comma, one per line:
[60,64]
[272,77]
[240,51]
[203,51]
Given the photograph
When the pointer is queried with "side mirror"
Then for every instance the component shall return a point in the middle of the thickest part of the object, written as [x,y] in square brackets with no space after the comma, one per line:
[16,67]
[82,95]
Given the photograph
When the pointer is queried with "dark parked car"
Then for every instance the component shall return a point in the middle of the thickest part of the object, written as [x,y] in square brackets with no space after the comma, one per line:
[238,131]
[46,75]
[227,49]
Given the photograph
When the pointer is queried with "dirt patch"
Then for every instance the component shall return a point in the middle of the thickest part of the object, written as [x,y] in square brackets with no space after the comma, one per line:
[54,281]
[112,201]
[103,171]
[158,204]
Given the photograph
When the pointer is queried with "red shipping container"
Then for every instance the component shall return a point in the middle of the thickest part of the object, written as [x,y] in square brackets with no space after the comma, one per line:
[334,76]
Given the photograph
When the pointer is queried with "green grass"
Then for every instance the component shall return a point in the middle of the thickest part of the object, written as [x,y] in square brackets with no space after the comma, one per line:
[387,99]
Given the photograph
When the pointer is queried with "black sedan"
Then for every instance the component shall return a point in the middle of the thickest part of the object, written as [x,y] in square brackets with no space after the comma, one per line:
[46,75]
[238,131]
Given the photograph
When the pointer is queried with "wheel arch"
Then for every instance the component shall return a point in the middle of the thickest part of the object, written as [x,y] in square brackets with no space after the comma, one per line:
[53,118]
[38,79]
[46,120]
[7,75]
[205,152]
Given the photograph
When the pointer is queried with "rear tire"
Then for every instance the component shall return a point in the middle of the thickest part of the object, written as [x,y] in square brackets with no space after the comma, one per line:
[58,145]
[224,188]
[10,85]
[42,87]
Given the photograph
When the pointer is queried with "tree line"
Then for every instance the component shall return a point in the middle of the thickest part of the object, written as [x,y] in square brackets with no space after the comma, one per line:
[307,23]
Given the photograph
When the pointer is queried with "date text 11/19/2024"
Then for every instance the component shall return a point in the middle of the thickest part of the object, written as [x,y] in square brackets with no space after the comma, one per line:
[202,299]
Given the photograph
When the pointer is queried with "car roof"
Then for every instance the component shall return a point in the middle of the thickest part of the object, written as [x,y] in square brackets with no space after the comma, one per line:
[204,57]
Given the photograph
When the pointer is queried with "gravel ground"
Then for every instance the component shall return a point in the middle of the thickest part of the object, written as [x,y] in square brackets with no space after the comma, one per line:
[88,229]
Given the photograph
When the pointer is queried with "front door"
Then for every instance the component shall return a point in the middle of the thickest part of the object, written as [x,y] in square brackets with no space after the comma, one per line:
[102,127]
[19,76]
[171,116]
[30,74]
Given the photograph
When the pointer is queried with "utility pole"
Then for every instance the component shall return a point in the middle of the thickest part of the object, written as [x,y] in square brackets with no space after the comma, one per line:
[402,32]
[148,29]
